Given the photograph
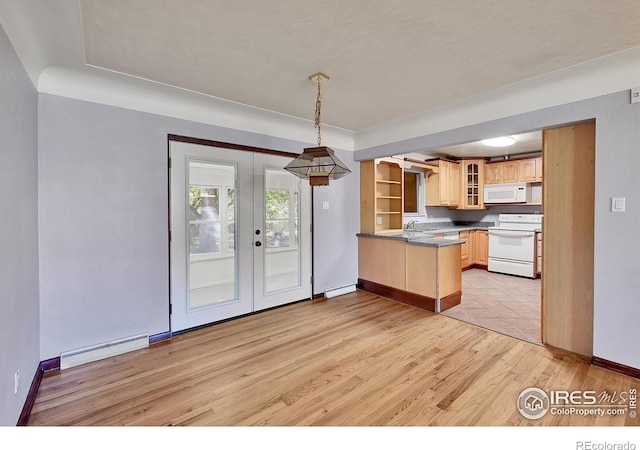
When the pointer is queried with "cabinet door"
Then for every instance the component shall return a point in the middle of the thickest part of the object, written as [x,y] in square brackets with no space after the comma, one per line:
[539,252]
[510,172]
[444,182]
[539,169]
[527,170]
[464,249]
[472,247]
[454,184]
[471,177]
[493,173]
[482,247]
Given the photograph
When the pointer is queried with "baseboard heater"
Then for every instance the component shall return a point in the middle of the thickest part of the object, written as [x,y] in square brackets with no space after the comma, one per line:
[334,292]
[101,351]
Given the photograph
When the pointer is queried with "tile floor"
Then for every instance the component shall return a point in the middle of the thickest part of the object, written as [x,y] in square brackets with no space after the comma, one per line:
[504,303]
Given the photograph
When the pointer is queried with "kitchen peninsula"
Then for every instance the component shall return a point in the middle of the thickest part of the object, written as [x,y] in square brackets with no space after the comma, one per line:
[411,267]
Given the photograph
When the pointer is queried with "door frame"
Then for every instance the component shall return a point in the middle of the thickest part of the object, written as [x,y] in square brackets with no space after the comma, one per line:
[229,146]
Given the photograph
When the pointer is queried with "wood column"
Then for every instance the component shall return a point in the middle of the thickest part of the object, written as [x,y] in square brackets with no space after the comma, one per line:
[568,234]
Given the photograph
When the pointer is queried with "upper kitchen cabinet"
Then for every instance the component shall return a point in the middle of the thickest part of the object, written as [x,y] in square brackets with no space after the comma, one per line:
[443,184]
[530,170]
[501,172]
[527,170]
[381,195]
[472,184]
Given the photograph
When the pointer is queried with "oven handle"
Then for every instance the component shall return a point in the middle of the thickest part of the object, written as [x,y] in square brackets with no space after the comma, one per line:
[509,233]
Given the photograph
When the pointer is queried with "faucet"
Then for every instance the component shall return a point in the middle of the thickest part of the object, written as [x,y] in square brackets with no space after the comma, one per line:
[411,225]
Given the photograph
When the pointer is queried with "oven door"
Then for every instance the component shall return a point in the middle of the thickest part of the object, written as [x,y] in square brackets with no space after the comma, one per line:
[515,245]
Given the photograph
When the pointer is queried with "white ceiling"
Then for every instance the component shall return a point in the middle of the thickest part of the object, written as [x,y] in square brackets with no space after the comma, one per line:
[525,143]
[386,59]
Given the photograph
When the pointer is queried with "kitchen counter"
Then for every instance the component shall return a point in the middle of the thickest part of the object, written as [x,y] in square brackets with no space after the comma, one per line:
[411,267]
[426,239]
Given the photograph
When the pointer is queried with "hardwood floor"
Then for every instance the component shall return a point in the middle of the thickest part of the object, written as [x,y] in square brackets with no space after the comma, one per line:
[358,359]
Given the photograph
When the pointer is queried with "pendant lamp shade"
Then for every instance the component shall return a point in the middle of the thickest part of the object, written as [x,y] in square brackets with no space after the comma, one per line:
[318,165]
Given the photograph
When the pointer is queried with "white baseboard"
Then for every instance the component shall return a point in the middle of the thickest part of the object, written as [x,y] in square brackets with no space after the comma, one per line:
[101,351]
[334,292]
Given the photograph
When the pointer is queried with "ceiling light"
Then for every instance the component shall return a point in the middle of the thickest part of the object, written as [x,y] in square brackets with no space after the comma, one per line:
[318,164]
[503,141]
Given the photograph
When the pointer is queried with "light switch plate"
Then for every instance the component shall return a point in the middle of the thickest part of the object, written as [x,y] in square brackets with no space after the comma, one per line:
[618,204]
[379,220]
[635,95]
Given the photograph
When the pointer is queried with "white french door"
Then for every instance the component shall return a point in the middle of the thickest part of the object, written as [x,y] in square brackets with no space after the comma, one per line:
[240,235]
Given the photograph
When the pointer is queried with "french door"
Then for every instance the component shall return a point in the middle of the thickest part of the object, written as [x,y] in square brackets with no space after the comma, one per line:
[240,234]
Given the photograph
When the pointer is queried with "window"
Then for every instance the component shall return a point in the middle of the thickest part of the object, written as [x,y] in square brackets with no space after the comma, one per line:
[281,218]
[413,192]
[211,219]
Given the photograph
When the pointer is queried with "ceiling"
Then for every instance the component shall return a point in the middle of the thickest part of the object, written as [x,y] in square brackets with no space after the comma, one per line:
[525,143]
[386,59]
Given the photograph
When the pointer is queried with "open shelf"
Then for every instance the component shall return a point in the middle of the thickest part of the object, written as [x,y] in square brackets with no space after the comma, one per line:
[381,191]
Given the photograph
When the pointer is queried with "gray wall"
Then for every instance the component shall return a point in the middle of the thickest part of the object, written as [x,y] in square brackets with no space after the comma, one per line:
[103,220]
[19,331]
[617,246]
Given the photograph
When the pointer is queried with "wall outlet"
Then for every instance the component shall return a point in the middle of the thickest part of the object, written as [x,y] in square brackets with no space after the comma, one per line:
[379,220]
[16,381]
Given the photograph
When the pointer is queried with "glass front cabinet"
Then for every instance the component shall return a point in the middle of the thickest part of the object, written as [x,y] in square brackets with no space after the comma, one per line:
[472,180]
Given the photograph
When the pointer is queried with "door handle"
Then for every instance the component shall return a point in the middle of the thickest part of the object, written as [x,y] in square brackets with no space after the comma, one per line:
[258,243]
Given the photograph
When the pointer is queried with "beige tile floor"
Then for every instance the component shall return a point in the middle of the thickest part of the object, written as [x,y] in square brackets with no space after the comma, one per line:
[504,303]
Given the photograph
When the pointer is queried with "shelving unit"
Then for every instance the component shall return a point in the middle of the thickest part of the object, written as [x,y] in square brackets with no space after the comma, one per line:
[381,195]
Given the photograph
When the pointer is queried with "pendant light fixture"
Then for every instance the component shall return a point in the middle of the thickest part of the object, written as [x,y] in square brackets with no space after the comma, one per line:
[318,164]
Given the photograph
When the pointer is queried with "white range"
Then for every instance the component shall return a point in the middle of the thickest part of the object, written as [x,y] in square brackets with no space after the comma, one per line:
[512,244]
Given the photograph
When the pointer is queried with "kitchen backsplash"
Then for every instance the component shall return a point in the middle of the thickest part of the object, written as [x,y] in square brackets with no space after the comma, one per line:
[455,216]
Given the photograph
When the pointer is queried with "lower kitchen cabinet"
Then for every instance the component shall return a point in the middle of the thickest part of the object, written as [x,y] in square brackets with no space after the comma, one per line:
[539,253]
[465,260]
[482,247]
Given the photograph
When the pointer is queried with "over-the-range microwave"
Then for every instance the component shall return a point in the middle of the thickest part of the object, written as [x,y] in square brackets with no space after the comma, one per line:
[507,193]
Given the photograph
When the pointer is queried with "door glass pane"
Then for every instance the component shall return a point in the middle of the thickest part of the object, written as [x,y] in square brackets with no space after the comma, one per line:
[211,222]
[282,252]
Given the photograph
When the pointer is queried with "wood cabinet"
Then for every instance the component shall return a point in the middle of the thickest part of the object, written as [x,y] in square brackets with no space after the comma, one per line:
[527,170]
[510,171]
[472,247]
[443,185]
[493,173]
[539,253]
[425,276]
[381,191]
[530,170]
[465,260]
[482,247]
[472,184]
[539,170]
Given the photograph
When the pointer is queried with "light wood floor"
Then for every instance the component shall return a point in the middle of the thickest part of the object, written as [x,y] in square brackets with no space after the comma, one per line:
[357,359]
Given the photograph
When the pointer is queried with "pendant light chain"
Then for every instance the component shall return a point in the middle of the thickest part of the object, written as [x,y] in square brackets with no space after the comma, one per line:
[318,107]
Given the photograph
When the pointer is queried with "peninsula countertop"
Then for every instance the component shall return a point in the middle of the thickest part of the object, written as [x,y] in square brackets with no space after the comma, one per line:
[425,234]
[423,238]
